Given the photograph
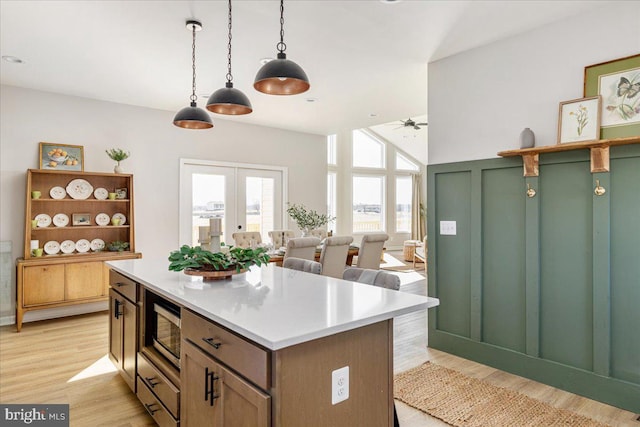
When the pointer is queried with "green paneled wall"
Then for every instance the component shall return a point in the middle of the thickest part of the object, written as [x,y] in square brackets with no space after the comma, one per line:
[566,303]
[625,269]
[454,269]
[503,256]
[545,287]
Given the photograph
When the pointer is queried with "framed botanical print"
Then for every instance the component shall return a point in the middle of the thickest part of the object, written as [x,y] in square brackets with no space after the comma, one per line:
[579,120]
[618,83]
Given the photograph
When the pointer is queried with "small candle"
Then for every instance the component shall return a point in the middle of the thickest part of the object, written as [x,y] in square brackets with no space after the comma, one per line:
[215,225]
[35,244]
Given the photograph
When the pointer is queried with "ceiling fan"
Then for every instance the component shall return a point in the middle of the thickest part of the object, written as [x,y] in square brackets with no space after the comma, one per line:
[411,124]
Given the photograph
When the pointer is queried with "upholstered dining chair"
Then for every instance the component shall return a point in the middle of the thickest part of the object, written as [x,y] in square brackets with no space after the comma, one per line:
[333,256]
[302,247]
[279,237]
[370,251]
[372,277]
[303,265]
[243,239]
[420,254]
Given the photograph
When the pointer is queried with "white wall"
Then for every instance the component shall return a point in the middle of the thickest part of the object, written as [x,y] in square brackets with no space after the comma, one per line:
[156,145]
[480,100]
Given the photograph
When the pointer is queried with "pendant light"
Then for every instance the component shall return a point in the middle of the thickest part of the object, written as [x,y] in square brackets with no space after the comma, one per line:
[281,76]
[192,117]
[229,100]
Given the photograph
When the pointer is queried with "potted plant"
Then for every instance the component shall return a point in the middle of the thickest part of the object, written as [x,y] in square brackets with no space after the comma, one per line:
[216,265]
[118,246]
[307,219]
[118,155]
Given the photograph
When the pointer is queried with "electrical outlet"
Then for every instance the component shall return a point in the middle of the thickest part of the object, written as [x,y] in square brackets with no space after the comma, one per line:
[339,385]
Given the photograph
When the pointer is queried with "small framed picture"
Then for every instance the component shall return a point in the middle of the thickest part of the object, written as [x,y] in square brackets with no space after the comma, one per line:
[618,83]
[121,193]
[579,120]
[81,219]
[61,157]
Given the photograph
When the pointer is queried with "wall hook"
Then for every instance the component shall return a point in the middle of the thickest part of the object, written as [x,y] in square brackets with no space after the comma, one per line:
[530,191]
[599,190]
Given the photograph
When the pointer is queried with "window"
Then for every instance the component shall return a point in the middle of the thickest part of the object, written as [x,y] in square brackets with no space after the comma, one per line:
[404,191]
[332,208]
[367,151]
[331,150]
[368,203]
[402,163]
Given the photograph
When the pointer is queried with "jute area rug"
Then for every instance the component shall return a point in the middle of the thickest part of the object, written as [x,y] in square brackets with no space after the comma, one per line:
[463,401]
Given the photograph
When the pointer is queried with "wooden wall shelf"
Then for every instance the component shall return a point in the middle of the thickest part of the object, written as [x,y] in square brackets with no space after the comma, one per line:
[599,153]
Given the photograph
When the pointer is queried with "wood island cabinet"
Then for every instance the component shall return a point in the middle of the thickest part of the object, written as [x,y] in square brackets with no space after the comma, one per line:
[79,276]
[213,395]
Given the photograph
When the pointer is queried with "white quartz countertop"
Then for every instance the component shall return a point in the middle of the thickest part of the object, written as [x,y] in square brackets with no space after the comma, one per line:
[273,306]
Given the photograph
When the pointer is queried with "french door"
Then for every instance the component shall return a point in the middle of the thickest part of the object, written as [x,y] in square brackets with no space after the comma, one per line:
[244,197]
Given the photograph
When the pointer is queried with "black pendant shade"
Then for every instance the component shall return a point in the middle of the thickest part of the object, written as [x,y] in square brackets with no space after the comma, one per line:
[229,100]
[281,77]
[192,117]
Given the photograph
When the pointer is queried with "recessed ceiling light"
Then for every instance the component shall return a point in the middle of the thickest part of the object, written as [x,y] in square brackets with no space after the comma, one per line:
[13,59]
[390,1]
[373,115]
[312,99]
[265,60]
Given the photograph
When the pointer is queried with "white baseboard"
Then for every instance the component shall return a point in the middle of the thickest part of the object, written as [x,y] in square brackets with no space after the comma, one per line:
[53,313]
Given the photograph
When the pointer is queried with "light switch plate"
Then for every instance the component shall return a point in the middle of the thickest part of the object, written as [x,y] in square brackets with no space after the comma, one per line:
[339,385]
[447,228]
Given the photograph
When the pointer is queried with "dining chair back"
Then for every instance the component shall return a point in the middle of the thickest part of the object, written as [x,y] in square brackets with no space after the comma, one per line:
[280,237]
[244,239]
[302,247]
[372,277]
[370,252]
[333,256]
[302,265]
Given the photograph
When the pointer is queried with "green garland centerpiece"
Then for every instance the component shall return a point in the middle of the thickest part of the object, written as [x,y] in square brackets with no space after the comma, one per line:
[308,219]
[197,261]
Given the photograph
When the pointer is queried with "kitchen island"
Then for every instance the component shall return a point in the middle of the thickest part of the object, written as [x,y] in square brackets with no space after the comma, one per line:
[268,346]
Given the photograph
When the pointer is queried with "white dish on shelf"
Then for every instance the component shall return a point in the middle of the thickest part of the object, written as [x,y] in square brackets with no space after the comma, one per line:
[51,247]
[102,219]
[68,246]
[57,193]
[79,189]
[83,246]
[60,220]
[97,245]
[123,219]
[44,220]
[101,193]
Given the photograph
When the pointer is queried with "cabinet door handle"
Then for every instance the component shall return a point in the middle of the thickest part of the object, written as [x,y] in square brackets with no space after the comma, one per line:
[149,408]
[213,344]
[149,381]
[119,284]
[209,391]
[116,312]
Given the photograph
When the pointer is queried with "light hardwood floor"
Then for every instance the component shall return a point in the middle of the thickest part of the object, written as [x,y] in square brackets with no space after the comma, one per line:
[65,361]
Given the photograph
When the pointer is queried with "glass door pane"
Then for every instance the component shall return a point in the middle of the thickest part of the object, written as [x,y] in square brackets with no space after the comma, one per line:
[210,194]
[368,204]
[403,204]
[260,201]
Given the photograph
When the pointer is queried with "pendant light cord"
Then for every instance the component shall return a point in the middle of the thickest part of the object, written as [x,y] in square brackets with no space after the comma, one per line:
[281,46]
[193,96]
[229,75]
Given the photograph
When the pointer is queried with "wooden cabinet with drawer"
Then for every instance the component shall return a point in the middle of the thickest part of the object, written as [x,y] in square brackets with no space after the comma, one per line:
[123,329]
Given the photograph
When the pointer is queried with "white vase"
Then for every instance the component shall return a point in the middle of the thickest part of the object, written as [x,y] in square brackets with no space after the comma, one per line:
[118,168]
[306,232]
